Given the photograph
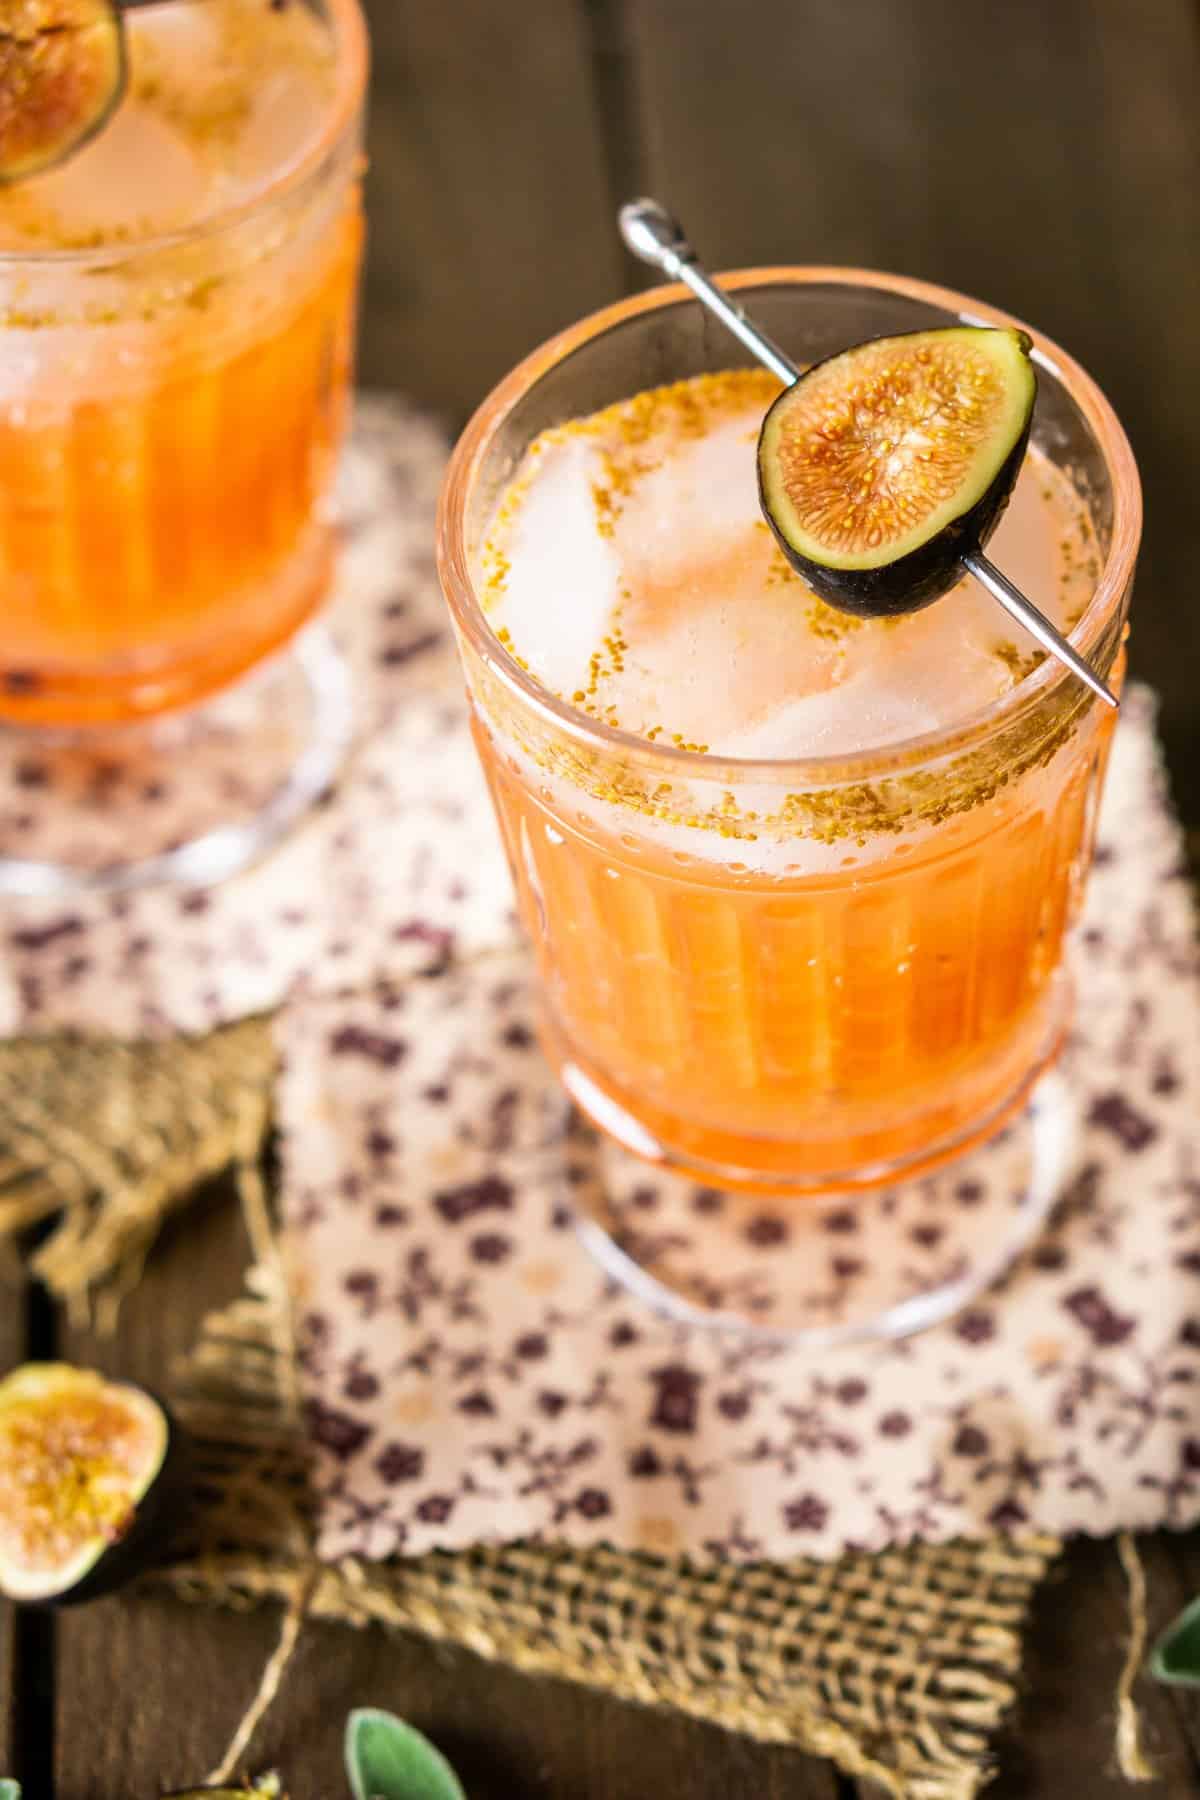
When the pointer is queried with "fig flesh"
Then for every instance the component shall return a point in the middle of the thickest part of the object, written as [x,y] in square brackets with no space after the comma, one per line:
[62,74]
[88,1471]
[883,465]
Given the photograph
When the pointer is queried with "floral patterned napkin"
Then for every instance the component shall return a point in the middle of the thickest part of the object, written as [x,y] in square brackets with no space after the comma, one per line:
[327,909]
[472,1375]
[470,1372]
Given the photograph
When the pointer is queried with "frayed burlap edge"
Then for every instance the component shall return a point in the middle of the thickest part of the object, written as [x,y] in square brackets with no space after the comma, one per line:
[899,1666]
[100,1141]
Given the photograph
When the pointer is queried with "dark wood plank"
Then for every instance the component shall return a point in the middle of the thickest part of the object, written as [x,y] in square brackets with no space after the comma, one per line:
[491,220]
[513,1738]
[12,1331]
[1042,156]
[175,1682]
[1075,1655]
[1173,1575]
[175,1687]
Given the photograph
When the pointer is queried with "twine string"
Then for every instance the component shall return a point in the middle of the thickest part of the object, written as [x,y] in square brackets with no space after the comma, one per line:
[270,1682]
[1131,1757]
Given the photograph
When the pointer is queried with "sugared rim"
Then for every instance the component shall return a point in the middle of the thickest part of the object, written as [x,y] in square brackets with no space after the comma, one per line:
[352,63]
[461,594]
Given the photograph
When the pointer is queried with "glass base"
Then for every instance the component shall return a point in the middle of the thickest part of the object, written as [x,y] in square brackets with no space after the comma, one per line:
[188,799]
[829,1269]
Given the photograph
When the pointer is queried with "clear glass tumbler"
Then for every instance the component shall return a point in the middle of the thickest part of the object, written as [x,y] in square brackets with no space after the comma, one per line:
[171,407]
[794,979]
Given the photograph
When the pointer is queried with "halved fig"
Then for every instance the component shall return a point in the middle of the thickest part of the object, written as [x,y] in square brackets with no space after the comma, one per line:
[88,1472]
[62,74]
[881,466]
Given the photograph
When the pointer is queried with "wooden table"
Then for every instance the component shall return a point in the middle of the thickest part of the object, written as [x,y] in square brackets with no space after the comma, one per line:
[1043,156]
[140,1693]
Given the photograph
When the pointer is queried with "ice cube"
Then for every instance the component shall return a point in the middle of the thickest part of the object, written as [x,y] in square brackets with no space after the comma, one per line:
[183,44]
[284,119]
[140,177]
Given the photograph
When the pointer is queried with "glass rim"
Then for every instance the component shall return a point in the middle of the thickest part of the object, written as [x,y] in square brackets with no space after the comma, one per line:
[352,65]
[829,770]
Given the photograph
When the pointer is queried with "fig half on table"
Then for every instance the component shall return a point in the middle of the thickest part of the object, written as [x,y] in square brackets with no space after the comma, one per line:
[90,1471]
[62,75]
[880,467]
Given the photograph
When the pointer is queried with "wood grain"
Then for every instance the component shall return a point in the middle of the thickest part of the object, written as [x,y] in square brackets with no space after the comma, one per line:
[514,1738]
[175,1680]
[12,1333]
[491,220]
[1075,1654]
[1044,157]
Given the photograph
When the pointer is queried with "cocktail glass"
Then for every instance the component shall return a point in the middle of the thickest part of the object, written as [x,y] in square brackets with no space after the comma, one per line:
[171,409]
[790,983]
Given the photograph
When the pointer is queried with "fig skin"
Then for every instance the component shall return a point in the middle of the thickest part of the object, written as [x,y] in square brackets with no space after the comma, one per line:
[922,576]
[154,1514]
[63,71]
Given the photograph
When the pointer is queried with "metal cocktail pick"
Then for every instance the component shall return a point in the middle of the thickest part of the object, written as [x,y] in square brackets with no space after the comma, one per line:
[656,238]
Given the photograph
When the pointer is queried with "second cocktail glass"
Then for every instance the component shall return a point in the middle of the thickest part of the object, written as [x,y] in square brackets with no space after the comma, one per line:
[176,340]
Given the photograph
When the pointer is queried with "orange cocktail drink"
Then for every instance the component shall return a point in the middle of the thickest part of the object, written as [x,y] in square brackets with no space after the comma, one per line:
[798,884]
[176,327]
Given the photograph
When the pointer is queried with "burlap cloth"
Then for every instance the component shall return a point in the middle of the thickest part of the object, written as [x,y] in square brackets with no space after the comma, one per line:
[900,1665]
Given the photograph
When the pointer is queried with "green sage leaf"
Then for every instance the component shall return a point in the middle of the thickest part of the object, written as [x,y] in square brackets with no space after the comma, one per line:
[388,1760]
[1176,1656]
